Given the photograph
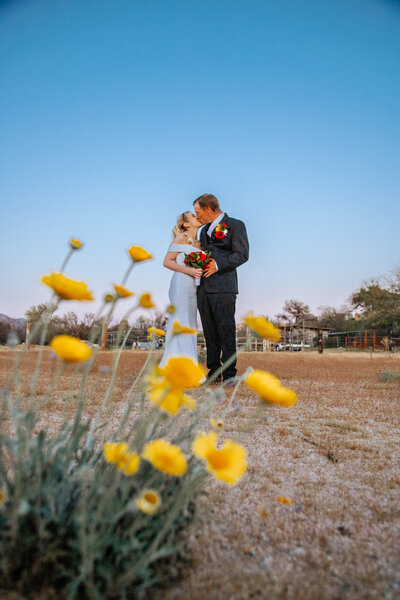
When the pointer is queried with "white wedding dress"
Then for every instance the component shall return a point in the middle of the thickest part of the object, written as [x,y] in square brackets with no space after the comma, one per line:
[182,295]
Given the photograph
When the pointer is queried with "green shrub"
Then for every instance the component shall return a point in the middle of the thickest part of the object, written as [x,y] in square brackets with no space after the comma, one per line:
[73,521]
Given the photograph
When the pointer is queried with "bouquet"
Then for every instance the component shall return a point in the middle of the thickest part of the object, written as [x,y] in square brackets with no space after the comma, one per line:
[198,260]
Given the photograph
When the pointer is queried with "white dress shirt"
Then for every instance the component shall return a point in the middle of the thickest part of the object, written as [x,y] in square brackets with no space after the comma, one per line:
[215,223]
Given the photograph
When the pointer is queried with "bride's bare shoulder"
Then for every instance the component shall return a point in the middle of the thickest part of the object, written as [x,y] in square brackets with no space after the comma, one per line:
[180,239]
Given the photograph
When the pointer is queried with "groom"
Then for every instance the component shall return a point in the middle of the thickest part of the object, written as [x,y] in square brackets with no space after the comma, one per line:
[226,239]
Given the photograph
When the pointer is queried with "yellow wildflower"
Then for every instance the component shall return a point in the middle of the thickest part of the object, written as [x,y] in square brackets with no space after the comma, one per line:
[263,327]
[146,301]
[283,500]
[227,463]
[122,292]
[149,501]
[129,464]
[155,332]
[70,349]
[114,452]
[67,289]
[118,453]
[139,254]
[108,298]
[182,372]
[270,388]
[171,309]
[178,329]
[165,457]
[168,399]
[75,244]
[3,496]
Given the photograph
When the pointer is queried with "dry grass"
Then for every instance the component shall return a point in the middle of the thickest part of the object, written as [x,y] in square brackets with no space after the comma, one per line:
[335,455]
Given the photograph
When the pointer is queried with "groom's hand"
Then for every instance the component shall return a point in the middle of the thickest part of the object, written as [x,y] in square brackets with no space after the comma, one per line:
[211,268]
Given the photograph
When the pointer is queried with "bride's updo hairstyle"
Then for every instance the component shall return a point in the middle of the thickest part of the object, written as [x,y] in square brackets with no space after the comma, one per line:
[180,225]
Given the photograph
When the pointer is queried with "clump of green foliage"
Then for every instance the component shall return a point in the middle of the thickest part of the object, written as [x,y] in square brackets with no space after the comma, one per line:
[69,519]
[386,375]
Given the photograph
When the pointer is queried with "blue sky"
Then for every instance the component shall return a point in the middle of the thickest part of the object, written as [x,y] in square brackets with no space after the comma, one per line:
[115,116]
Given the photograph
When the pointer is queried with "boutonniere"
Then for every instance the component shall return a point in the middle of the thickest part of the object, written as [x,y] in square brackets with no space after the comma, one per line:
[221,231]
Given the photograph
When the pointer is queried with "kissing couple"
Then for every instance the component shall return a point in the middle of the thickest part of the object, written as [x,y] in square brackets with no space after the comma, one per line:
[226,240]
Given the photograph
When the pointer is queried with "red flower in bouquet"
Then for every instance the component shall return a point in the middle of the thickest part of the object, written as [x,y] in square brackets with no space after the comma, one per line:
[221,231]
[198,260]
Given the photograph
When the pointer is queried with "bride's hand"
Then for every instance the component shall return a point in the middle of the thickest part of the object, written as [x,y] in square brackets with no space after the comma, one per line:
[196,273]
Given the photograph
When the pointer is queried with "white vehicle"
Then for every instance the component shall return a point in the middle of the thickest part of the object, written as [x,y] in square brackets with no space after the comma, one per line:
[290,347]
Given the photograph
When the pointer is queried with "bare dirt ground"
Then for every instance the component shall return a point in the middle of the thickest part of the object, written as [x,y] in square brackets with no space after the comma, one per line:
[335,455]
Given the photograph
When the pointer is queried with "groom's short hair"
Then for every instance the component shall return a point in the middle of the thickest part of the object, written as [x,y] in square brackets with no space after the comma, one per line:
[208,200]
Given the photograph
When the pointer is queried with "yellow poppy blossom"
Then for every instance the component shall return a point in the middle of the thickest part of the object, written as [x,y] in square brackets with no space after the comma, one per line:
[75,244]
[262,327]
[283,500]
[139,254]
[182,372]
[149,501]
[165,457]
[270,388]
[67,289]
[122,292]
[146,301]
[227,463]
[178,329]
[153,331]
[70,349]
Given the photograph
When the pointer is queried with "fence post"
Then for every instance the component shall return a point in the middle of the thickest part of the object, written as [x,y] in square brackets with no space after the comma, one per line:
[320,342]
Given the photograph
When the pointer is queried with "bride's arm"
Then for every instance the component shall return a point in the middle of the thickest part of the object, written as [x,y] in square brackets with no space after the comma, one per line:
[170,263]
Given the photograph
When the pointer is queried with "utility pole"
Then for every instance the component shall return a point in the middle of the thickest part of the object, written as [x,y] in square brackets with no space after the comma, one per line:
[104,336]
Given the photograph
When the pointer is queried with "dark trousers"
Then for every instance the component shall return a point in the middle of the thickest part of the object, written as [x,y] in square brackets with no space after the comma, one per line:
[217,312]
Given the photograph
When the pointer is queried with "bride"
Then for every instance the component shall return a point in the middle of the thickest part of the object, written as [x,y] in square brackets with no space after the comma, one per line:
[182,291]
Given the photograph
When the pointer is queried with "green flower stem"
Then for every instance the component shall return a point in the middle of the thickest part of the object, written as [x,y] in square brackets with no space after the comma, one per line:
[67,402]
[66,260]
[112,380]
[21,353]
[250,424]
[40,355]
[53,382]
[128,401]
[238,384]
[180,500]
[127,273]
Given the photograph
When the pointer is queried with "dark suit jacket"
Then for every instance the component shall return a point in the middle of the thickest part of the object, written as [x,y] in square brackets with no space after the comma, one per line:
[229,253]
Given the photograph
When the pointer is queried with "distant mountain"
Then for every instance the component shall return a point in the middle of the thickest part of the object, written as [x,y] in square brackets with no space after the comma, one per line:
[6,318]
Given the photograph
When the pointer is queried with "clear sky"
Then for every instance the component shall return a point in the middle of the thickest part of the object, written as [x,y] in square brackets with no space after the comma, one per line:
[115,115]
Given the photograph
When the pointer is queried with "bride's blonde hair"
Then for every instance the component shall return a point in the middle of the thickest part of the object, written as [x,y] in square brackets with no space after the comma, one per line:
[180,224]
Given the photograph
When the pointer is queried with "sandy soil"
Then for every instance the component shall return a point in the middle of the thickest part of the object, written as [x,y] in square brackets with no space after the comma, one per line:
[335,455]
